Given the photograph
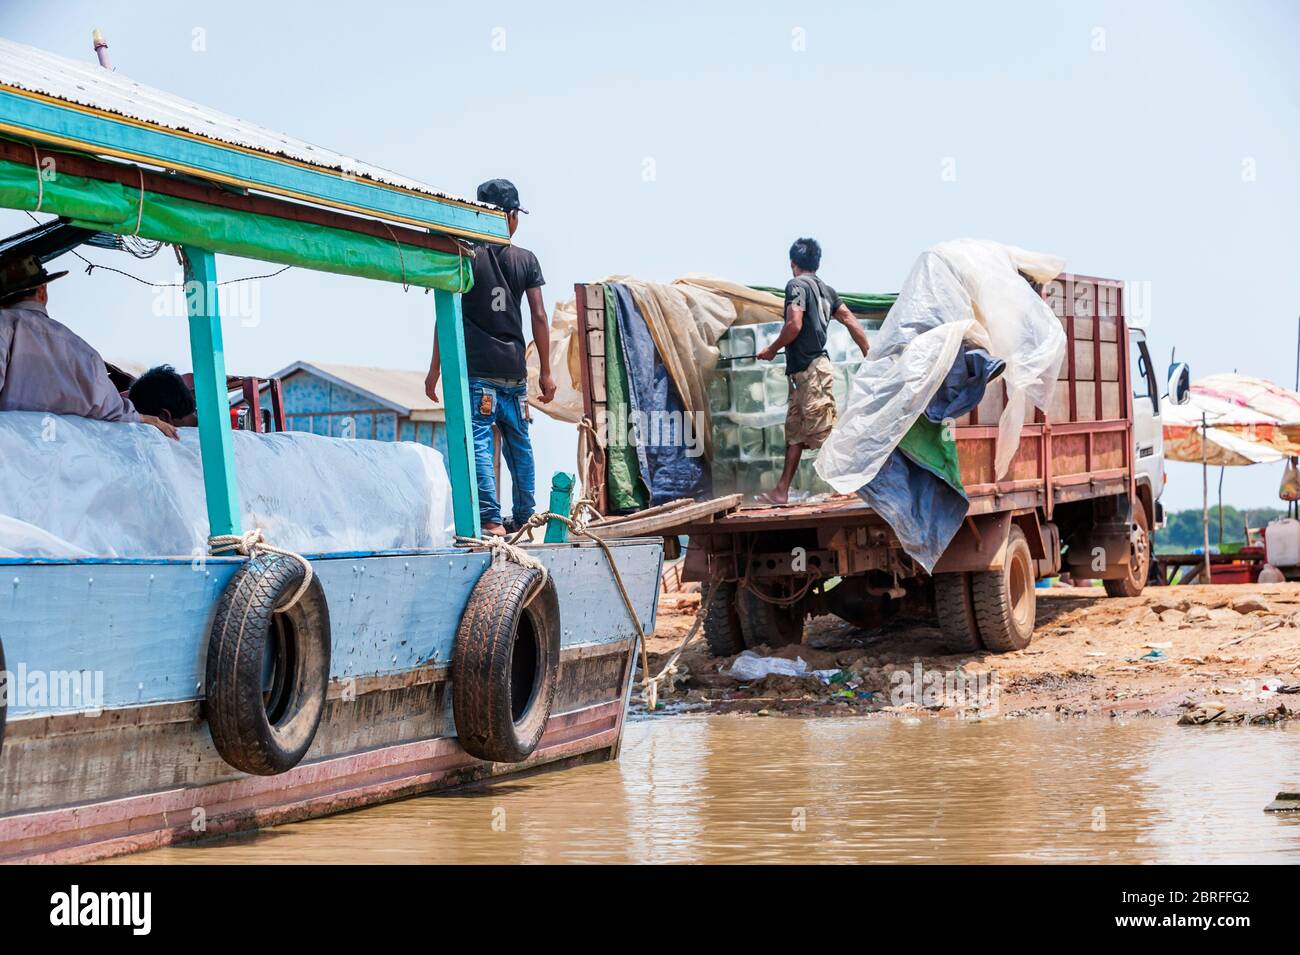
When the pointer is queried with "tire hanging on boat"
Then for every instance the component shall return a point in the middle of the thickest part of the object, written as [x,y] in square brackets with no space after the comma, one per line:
[506,663]
[4,694]
[267,671]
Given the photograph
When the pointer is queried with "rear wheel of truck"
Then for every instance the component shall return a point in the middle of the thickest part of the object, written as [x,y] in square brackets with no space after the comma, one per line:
[722,622]
[763,622]
[955,607]
[1139,566]
[1005,599]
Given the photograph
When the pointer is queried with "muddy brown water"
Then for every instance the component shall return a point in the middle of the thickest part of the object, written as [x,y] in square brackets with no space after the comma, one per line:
[736,789]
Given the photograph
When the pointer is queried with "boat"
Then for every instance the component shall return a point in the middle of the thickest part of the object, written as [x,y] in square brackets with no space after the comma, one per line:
[185,698]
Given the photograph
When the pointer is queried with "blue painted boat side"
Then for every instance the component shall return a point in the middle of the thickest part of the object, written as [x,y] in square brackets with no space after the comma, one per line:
[68,126]
[141,627]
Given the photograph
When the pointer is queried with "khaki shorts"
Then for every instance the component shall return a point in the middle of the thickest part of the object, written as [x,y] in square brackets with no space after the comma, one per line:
[811,413]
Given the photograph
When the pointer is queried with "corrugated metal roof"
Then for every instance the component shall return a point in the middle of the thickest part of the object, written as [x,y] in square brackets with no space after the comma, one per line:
[398,388]
[85,83]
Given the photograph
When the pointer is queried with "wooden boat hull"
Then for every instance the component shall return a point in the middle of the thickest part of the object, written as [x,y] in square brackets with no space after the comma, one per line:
[81,783]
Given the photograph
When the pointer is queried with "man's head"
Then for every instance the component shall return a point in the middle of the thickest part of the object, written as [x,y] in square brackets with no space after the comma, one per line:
[502,192]
[161,392]
[805,256]
[24,279]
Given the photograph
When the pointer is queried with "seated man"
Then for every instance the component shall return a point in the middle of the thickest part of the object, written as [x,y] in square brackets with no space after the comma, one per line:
[44,366]
[162,392]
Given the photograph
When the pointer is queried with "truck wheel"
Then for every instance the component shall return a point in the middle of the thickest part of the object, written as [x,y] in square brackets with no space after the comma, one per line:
[1139,566]
[955,607]
[765,623]
[722,622]
[1005,599]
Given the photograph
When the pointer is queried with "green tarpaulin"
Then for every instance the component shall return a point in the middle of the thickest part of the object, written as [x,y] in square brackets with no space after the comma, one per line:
[627,492]
[926,444]
[112,207]
[856,301]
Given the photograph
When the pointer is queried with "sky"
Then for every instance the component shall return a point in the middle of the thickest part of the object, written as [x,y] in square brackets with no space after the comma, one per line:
[1154,142]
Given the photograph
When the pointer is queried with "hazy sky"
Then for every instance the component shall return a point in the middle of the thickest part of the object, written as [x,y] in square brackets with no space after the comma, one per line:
[1155,142]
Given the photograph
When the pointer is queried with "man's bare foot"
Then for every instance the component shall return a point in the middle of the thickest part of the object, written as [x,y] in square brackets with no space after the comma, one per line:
[775,497]
[494,530]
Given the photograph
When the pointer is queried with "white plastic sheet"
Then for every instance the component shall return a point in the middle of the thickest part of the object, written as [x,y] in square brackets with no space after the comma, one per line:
[751,666]
[966,289]
[72,487]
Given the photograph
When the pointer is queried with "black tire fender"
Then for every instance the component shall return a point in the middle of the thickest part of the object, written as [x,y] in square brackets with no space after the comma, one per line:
[506,663]
[267,671]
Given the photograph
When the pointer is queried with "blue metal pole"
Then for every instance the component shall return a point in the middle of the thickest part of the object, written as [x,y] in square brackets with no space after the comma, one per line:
[455,401]
[216,446]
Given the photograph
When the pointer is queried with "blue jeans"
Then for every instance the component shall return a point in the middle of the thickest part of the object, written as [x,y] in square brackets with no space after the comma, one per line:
[494,404]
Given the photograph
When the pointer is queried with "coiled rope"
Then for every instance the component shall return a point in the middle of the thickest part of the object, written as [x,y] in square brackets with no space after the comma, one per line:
[250,544]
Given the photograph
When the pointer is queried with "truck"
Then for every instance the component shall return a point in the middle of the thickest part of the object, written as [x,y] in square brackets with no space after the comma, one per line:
[1081,496]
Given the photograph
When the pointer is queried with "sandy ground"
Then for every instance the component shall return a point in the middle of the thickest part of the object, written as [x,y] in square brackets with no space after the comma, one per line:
[1201,654]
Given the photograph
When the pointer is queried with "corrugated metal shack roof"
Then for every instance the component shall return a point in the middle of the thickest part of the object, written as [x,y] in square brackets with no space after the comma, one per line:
[400,389]
[87,84]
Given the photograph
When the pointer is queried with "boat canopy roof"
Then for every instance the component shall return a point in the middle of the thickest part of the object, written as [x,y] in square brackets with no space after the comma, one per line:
[65,103]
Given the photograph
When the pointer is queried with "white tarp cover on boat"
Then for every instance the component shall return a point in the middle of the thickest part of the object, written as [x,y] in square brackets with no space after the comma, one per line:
[966,289]
[71,487]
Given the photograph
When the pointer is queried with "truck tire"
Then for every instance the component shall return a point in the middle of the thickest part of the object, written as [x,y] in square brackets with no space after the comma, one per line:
[722,622]
[766,623]
[1005,599]
[1139,567]
[955,607]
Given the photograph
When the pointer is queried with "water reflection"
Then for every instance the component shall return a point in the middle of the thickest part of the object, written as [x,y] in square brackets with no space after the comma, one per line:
[742,789]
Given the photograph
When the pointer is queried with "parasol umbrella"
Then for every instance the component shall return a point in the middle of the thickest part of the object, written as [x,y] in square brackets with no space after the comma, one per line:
[1231,420]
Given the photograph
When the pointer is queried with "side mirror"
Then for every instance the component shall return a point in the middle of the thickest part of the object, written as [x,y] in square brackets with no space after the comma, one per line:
[1180,383]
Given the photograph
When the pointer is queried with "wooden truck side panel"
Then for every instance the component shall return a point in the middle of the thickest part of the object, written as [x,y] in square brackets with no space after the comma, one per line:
[1083,447]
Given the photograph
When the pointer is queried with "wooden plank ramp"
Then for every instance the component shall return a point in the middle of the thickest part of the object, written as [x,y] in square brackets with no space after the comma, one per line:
[664,518]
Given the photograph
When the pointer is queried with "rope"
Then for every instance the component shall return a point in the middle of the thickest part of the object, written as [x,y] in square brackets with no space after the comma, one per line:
[650,684]
[578,527]
[502,551]
[139,209]
[402,258]
[250,544]
[40,180]
[460,265]
[587,439]
[508,549]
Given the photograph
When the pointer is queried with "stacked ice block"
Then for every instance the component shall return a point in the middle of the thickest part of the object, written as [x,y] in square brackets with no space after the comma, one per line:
[748,399]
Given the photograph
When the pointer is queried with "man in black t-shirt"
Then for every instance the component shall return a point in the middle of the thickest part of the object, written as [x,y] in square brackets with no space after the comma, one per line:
[810,304]
[494,358]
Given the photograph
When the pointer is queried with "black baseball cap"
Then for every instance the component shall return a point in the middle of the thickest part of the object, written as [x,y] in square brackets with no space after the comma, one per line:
[501,192]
